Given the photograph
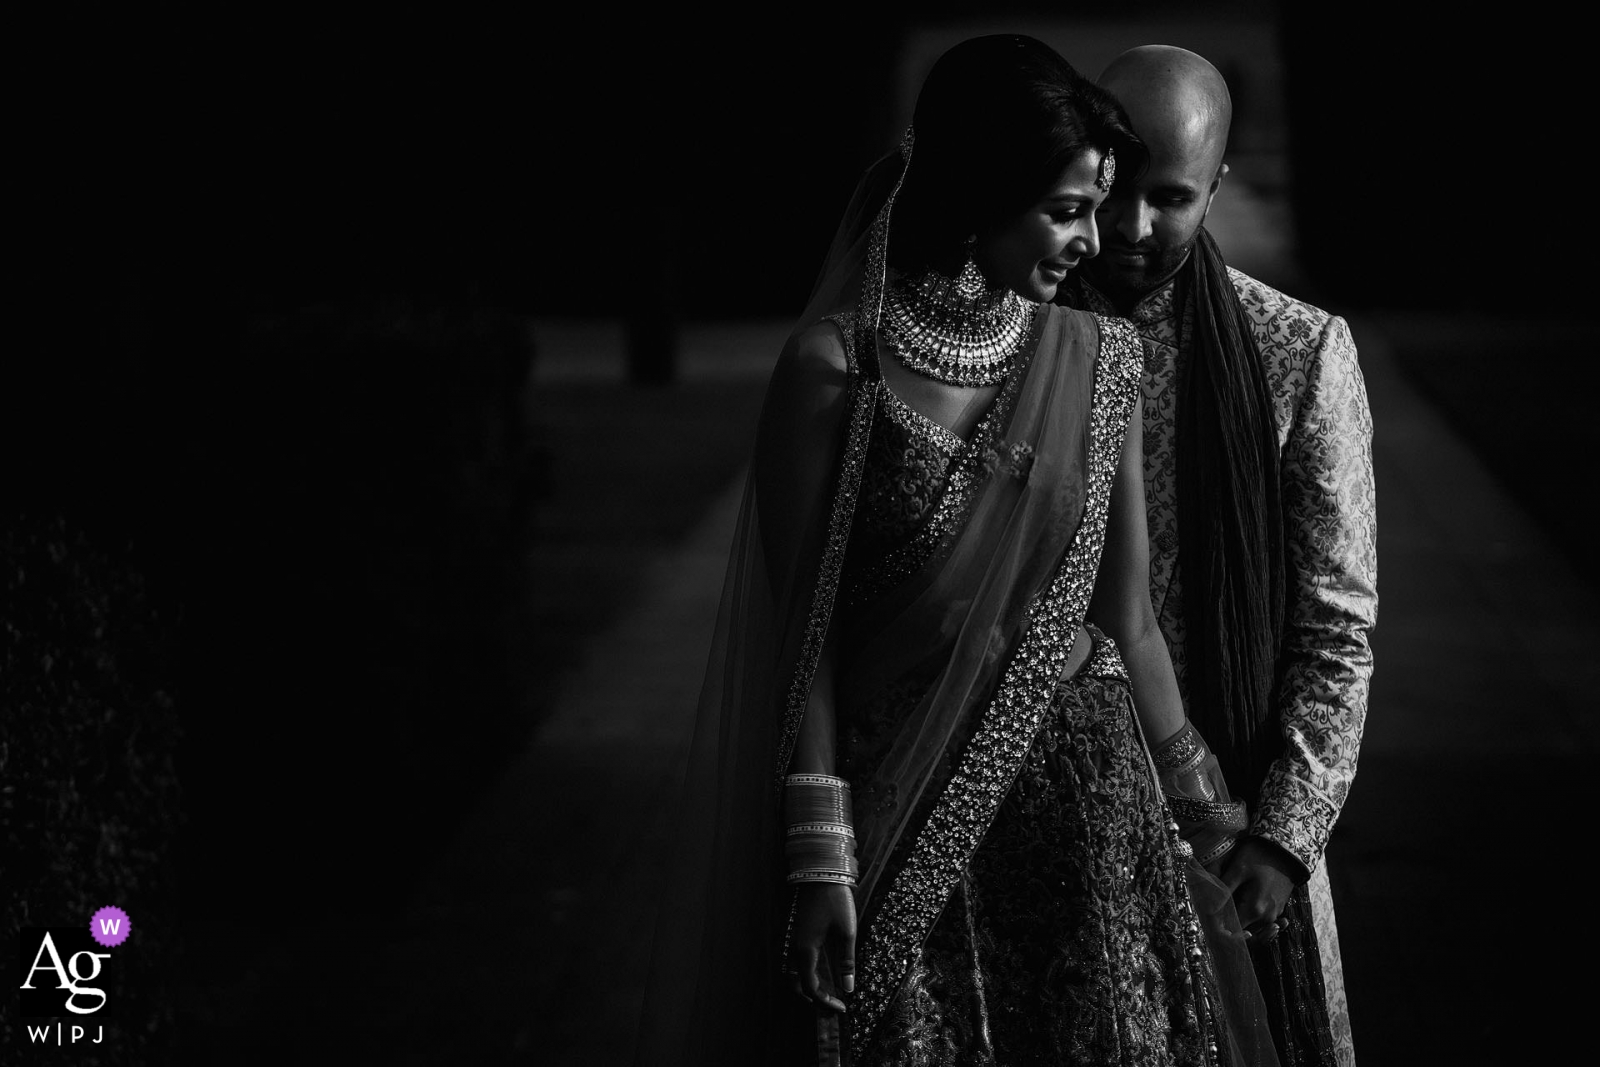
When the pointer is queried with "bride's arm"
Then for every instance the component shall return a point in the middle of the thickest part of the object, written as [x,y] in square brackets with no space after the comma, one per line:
[1121,602]
[825,913]
[795,456]
[1208,817]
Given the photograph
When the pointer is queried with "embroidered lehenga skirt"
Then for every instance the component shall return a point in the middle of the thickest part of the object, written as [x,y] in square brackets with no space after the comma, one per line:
[1064,941]
[1065,937]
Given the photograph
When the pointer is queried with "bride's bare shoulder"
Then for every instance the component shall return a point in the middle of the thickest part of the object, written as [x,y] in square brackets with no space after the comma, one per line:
[819,349]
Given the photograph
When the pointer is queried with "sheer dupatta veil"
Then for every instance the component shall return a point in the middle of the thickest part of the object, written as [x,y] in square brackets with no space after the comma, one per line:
[996,605]
[716,960]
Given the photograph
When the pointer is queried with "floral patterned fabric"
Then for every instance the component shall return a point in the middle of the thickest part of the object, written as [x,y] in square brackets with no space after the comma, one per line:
[1325,441]
[904,476]
[1063,941]
[1063,937]
[902,482]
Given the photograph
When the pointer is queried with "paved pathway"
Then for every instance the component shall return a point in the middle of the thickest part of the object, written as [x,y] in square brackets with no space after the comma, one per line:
[1453,866]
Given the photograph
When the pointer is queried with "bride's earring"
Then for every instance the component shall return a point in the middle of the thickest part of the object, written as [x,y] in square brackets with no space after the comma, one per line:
[970,283]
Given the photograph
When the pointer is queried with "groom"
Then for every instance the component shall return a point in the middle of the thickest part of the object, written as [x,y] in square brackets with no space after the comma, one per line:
[1259,496]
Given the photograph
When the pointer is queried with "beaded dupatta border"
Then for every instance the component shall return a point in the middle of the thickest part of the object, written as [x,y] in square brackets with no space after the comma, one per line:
[992,757]
[862,404]
[861,363]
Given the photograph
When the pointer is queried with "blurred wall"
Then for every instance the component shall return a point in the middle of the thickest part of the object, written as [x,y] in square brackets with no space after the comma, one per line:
[1433,154]
[255,255]
[593,165]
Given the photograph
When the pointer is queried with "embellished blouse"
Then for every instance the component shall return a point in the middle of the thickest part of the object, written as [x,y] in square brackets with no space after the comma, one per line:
[917,484]
[903,482]
[1330,514]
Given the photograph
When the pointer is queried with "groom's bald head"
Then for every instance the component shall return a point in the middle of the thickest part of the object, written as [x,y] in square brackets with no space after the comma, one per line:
[1175,98]
[1179,106]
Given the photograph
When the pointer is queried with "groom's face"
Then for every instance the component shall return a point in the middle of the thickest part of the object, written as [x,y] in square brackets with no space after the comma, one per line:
[1150,220]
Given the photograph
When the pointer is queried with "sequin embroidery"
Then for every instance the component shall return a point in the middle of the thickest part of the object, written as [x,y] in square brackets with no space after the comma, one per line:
[945,499]
[988,765]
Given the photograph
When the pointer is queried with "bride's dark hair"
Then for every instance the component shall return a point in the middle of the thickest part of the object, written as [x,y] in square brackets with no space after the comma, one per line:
[998,119]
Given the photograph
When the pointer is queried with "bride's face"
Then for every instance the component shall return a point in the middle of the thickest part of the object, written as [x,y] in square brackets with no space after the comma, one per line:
[1032,253]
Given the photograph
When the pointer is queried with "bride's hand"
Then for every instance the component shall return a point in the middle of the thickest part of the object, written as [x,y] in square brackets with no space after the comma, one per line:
[824,914]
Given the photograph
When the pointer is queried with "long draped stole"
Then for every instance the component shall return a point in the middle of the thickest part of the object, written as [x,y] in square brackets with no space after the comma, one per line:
[999,603]
[715,985]
[1014,584]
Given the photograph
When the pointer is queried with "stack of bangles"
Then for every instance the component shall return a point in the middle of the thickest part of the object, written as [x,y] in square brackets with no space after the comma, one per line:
[1209,819]
[820,844]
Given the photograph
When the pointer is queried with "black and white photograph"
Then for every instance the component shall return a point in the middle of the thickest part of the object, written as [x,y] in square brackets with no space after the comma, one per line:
[837,535]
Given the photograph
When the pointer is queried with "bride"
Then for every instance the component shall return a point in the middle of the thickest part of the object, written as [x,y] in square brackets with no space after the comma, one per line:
[942,804]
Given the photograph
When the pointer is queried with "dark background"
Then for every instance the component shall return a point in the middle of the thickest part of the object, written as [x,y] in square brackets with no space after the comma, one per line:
[273,280]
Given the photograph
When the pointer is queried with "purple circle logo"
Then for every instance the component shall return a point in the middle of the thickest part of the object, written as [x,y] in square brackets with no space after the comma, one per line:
[109,926]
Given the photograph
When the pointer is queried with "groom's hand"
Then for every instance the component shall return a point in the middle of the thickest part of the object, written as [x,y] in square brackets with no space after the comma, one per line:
[1261,876]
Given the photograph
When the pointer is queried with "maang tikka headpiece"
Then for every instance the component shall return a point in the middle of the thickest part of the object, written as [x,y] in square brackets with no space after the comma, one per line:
[1108,171]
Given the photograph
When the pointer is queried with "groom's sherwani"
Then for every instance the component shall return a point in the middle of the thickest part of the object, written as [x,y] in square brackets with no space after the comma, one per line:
[1330,517]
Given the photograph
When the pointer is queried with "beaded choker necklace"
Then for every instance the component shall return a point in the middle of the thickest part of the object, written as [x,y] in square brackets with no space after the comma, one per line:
[955,330]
